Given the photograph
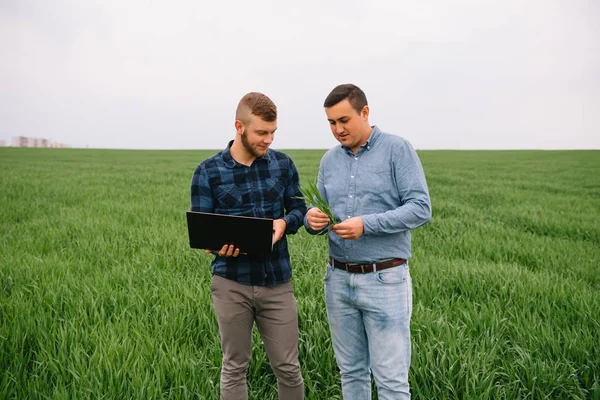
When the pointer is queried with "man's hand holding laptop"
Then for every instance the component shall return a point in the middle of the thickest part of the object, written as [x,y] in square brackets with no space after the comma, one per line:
[279,226]
[227,250]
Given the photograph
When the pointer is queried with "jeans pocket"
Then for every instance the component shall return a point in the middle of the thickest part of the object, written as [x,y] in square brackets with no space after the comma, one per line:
[328,271]
[392,276]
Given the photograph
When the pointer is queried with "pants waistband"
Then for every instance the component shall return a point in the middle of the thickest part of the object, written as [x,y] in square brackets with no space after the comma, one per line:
[363,268]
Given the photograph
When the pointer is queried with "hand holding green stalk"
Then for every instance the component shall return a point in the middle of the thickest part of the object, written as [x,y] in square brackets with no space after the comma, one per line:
[313,197]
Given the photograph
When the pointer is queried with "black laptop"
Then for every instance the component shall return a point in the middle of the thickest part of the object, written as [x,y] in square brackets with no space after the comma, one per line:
[211,231]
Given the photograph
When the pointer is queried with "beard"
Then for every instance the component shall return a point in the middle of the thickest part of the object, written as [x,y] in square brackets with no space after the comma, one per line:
[249,147]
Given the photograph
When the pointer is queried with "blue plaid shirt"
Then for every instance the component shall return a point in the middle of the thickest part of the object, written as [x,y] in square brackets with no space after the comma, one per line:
[265,189]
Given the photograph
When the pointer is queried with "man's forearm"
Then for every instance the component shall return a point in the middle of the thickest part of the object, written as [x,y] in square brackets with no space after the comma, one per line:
[409,216]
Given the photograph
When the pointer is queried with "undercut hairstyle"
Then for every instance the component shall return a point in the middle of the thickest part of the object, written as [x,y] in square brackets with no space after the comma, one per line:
[257,104]
[356,97]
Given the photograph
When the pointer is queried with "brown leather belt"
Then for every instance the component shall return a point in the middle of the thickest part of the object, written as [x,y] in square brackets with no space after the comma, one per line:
[363,268]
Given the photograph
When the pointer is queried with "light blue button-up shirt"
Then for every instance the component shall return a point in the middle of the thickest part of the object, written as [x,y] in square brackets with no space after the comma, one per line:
[384,184]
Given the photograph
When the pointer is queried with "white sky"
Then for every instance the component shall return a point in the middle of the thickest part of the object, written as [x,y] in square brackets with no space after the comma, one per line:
[479,74]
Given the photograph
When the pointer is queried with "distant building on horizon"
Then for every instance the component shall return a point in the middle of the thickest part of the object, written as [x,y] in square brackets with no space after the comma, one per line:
[20,141]
[24,141]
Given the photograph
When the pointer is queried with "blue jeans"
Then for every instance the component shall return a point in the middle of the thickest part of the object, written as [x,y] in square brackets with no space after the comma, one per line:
[369,318]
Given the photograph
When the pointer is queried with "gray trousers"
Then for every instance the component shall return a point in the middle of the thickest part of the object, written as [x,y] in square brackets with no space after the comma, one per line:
[275,312]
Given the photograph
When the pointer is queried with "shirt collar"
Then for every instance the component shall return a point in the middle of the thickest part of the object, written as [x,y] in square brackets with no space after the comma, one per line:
[375,133]
[230,161]
[373,137]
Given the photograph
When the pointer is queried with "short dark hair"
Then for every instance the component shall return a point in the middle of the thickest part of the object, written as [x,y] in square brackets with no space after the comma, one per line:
[257,104]
[355,96]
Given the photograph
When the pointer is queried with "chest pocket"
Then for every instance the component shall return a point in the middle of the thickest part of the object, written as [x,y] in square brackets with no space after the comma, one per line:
[377,178]
[229,196]
[274,189]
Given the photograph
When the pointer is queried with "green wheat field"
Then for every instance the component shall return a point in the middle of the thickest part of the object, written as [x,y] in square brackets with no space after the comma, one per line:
[101,296]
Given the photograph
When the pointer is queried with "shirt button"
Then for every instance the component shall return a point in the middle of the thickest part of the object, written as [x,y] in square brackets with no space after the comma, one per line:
[349,216]
[356,158]
[352,176]
[350,196]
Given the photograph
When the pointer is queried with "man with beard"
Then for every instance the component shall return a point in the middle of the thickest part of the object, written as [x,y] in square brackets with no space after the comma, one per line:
[375,185]
[247,178]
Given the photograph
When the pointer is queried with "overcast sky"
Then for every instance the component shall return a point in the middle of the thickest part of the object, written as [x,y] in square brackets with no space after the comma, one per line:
[480,74]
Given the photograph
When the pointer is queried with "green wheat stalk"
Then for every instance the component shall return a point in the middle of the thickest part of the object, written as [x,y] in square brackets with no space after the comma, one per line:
[313,197]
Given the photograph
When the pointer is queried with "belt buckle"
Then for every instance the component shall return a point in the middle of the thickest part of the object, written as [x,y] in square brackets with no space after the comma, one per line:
[362,266]
[350,265]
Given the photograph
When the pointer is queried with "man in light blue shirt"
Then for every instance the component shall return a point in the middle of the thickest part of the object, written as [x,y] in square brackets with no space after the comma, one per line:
[375,184]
